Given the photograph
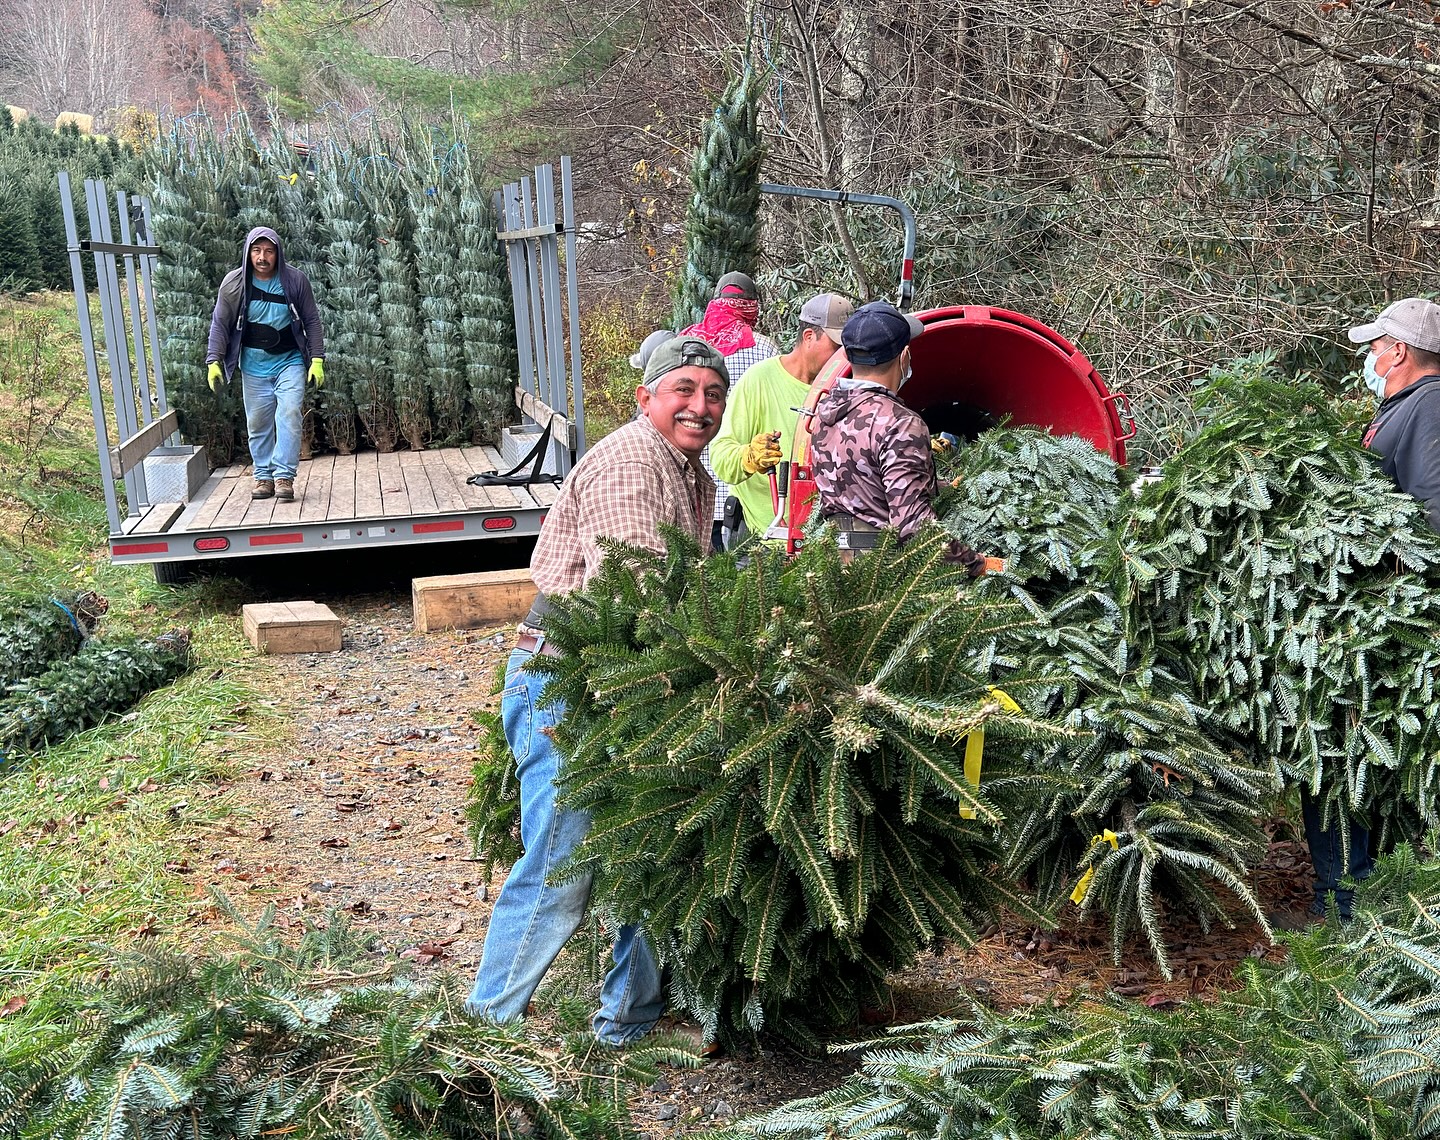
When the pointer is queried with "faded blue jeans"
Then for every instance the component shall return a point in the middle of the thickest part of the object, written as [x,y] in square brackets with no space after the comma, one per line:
[1327,853]
[272,418]
[533,918]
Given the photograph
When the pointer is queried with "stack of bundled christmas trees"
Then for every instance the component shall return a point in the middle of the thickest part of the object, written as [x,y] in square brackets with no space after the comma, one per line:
[56,679]
[397,235]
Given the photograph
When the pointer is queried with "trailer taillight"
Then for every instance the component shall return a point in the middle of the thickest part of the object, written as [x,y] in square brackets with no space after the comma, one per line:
[500,522]
[205,545]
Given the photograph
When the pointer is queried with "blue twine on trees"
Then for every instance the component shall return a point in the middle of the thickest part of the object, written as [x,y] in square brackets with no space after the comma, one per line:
[71,616]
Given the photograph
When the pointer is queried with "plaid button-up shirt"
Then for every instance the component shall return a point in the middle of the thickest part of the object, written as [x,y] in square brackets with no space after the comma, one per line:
[624,488]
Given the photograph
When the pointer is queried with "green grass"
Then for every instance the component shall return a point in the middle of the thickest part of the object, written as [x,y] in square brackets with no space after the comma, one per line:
[87,827]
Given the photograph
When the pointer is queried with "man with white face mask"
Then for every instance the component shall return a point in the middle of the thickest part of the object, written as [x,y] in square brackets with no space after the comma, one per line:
[1402,369]
[870,454]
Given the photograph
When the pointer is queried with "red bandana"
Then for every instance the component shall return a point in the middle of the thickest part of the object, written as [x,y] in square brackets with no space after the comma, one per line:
[726,324]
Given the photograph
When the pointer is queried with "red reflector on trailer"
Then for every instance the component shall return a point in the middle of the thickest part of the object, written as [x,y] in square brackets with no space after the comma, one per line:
[212,544]
[141,548]
[431,528]
[501,522]
[277,539]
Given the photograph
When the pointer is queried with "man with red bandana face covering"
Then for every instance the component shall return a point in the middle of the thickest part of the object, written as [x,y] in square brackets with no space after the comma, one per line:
[729,325]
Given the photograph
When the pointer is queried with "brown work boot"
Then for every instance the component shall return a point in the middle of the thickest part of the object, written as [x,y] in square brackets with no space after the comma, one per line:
[284,490]
[263,489]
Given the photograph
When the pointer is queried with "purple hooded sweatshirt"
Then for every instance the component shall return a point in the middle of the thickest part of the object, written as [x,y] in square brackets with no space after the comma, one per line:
[227,325]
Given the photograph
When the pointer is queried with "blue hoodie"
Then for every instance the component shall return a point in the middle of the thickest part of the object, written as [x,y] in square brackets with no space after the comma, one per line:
[227,324]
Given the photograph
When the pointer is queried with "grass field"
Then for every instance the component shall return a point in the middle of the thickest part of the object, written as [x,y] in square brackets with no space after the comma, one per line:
[87,828]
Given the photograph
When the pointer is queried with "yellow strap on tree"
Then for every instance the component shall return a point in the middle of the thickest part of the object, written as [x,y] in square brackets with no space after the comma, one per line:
[975,748]
[1082,888]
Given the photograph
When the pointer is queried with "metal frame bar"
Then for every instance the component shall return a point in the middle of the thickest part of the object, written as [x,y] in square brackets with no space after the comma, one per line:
[550,296]
[572,286]
[87,342]
[537,320]
[507,209]
[132,290]
[145,232]
[906,290]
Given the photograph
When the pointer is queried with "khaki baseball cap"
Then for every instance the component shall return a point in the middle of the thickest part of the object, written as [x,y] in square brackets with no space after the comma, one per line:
[1415,321]
[828,310]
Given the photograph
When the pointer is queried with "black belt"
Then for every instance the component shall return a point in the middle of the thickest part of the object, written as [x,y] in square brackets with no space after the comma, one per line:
[532,644]
[854,534]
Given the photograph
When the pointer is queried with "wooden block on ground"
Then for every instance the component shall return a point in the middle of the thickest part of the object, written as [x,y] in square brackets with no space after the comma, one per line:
[467,601]
[291,627]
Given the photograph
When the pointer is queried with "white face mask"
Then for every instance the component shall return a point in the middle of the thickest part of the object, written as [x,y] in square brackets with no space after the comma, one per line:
[1373,380]
[905,376]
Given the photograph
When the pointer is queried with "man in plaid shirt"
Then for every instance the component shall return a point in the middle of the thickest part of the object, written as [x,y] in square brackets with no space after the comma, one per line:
[638,477]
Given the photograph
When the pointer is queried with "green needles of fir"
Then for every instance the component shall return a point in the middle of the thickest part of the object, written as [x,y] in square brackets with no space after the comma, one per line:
[37,632]
[78,692]
[775,792]
[309,1040]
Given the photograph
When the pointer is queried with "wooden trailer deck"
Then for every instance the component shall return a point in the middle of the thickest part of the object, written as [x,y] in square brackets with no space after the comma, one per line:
[367,498]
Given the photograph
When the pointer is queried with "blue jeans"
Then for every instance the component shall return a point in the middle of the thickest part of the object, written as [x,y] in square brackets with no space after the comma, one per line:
[1327,853]
[272,417]
[533,917]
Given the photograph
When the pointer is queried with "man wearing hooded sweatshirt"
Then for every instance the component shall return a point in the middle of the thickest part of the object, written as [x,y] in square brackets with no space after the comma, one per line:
[870,454]
[266,323]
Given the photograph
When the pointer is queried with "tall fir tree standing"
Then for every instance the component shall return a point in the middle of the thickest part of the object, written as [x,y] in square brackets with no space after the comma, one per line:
[400,316]
[487,323]
[438,268]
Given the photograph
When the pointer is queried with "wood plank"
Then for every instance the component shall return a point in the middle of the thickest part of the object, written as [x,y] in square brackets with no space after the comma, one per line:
[207,501]
[502,498]
[544,493]
[345,488]
[316,506]
[469,601]
[236,504]
[290,512]
[448,495]
[542,413]
[158,518]
[418,488]
[129,454]
[368,504]
[395,500]
[291,627]
[259,513]
[475,497]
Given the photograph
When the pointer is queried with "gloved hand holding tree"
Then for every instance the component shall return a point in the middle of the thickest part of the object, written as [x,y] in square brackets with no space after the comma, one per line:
[761,453]
[214,375]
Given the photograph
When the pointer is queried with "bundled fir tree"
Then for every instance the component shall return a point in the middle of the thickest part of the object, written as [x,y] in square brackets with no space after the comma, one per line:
[722,226]
[184,302]
[37,632]
[436,263]
[275,1039]
[774,761]
[487,324]
[1142,768]
[249,188]
[400,317]
[80,691]
[1341,1040]
[353,341]
[1296,590]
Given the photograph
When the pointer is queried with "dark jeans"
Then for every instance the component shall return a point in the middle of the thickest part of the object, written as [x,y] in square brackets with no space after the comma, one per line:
[1328,854]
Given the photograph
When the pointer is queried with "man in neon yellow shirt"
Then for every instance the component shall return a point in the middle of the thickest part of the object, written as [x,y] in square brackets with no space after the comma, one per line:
[760,417]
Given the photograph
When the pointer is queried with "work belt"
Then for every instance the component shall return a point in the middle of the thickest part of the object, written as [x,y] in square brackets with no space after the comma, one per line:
[853,533]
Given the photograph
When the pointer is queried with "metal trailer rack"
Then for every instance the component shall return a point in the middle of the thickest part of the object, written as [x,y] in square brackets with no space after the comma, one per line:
[176,512]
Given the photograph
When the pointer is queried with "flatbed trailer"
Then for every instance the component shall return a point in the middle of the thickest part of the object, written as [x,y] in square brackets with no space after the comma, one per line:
[366,499]
[166,508]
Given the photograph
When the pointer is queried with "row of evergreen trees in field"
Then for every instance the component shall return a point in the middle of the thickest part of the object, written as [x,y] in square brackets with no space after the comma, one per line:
[32,225]
[397,236]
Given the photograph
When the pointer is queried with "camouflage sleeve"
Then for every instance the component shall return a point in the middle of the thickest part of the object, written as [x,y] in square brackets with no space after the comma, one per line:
[909,477]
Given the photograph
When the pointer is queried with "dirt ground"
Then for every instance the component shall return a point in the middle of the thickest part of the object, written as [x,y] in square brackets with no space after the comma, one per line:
[363,811]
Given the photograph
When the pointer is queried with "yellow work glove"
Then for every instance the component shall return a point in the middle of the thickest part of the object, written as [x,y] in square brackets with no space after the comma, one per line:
[317,373]
[215,375]
[939,445]
[761,453]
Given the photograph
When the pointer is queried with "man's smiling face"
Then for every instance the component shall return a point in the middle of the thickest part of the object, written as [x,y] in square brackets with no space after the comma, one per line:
[685,407]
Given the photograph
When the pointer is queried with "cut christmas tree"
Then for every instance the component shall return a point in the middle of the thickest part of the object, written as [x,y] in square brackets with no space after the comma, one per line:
[37,632]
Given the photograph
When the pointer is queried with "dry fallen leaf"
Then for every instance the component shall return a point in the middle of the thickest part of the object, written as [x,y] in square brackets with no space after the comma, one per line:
[14,1005]
[335,842]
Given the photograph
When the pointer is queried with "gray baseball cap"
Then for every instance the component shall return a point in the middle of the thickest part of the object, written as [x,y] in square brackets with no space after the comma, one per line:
[641,356]
[737,284]
[829,311]
[680,351]
[1415,321]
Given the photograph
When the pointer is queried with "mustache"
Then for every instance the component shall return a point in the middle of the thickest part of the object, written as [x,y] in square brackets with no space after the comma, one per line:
[705,420]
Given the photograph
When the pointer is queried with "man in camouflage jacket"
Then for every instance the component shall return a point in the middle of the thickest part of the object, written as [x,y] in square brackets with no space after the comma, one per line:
[870,454]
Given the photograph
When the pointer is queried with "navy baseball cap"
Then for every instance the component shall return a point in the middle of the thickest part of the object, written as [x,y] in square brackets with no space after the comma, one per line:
[877,333]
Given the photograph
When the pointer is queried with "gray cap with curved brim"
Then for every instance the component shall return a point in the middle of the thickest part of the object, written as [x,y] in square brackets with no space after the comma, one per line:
[1414,321]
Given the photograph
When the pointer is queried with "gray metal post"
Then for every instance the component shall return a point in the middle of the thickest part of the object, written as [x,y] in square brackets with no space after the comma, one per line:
[537,319]
[87,343]
[152,321]
[550,287]
[508,212]
[132,290]
[906,289]
[572,287]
